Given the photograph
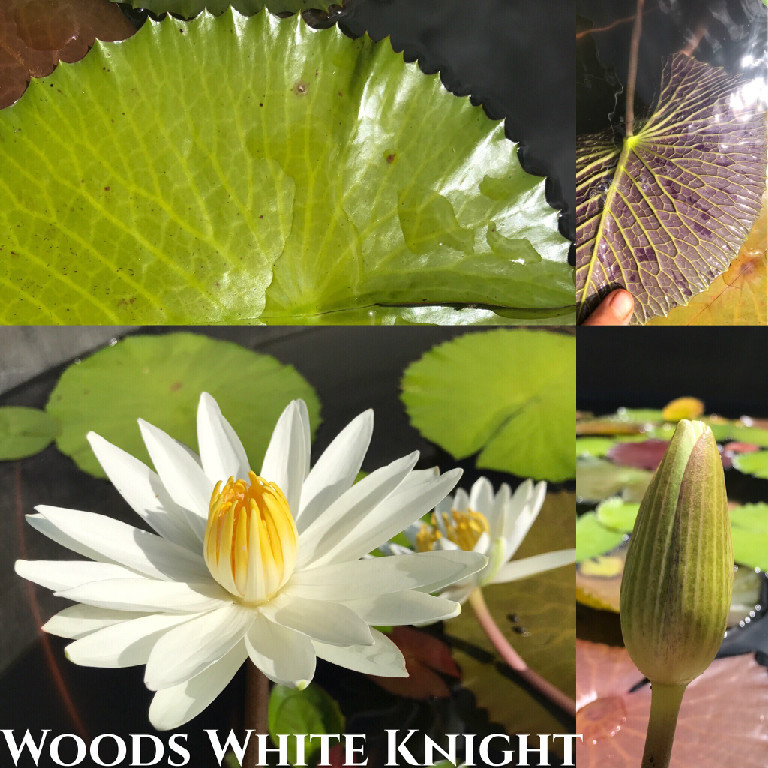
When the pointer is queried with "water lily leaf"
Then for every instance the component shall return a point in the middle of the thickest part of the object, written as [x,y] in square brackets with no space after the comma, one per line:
[271,173]
[665,214]
[598,479]
[594,446]
[311,711]
[424,656]
[593,538]
[508,394]
[614,721]
[753,517]
[159,379]
[740,295]
[753,464]
[25,431]
[618,515]
[643,455]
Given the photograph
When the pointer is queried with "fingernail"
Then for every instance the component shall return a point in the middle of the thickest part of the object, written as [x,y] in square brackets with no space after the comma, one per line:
[622,303]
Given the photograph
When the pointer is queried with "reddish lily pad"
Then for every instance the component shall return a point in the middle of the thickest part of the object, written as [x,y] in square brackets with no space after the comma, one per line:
[722,719]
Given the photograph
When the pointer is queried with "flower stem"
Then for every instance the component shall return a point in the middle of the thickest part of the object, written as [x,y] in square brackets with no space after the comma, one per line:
[665,705]
[513,658]
[634,49]
[256,710]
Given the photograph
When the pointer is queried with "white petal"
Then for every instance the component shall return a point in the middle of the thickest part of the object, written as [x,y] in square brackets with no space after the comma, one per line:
[460,500]
[522,513]
[182,476]
[177,705]
[192,647]
[80,620]
[417,494]
[126,644]
[335,470]
[481,497]
[399,608]
[66,574]
[459,593]
[221,452]
[282,654]
[348,511]
[287,459]
[327,622]
[105,539]
[497,517]
[383,658]
[144,492]
[149,595]
[363,578]
[520,569]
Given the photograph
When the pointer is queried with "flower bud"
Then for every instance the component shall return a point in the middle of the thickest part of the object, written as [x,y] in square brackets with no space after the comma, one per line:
[678,578]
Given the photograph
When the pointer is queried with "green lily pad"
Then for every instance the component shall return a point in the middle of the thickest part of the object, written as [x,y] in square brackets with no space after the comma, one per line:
[750,547]
[618,515]
[598,479]
[599,446]
[159,379]
[507,394]
[752,464]
[593,538]
[752,517]
[233,170]
[745,434]
[310,711]
[25,432]
[594,446]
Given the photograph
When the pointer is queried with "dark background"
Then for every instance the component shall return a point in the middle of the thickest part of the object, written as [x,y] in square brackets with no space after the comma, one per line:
[727,368]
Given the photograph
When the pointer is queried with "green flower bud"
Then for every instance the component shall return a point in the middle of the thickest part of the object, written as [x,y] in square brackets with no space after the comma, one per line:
[678,578]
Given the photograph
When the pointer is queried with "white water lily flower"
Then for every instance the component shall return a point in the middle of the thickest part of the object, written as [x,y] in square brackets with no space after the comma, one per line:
[269,567]
[491,524]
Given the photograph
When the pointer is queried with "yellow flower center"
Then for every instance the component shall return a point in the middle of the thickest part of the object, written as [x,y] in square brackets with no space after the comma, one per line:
[462,528]
[250,541]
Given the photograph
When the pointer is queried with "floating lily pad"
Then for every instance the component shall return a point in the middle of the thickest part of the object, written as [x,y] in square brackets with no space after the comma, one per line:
[598,479]
[593,538]
[753,517]
[233,170]
[508,394]
[25,431]
[594,446]
[309,711]
[618,515]
[753,464]
[666,213]
[614,721]
[159,379]
[642,455]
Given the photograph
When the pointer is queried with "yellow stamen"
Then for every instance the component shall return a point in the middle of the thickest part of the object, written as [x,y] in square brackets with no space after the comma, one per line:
[463,528]
[251,541]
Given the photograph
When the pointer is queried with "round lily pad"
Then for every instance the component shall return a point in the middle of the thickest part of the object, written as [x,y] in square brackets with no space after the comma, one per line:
[25,431]
[753,464]
[160,379]
[234,170]
[593,538]
[507,394]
